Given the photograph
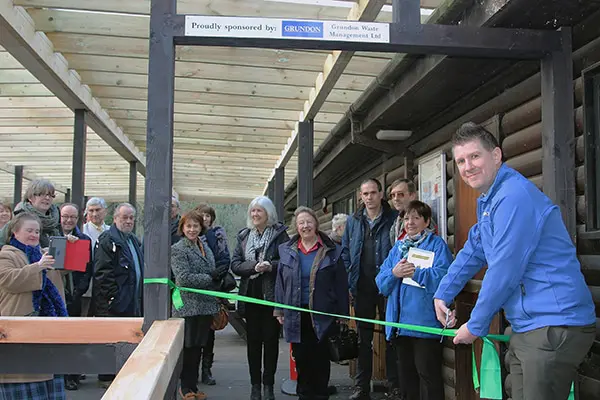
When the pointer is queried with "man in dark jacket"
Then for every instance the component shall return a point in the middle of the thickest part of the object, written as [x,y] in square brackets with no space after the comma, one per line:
[118,264]
[366,244]
[77,283]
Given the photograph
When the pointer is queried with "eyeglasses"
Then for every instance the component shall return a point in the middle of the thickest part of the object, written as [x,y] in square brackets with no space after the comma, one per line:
[51,195]
[66,217]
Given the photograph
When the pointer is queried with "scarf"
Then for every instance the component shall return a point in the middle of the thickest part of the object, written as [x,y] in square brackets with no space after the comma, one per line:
[258,243]
[47,302]
[50,221]
[415,241]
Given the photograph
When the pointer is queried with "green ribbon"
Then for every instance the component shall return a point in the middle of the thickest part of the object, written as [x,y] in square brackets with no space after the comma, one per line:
[490,386]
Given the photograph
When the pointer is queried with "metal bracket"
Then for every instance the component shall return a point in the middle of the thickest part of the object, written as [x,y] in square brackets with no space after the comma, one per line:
[356,137]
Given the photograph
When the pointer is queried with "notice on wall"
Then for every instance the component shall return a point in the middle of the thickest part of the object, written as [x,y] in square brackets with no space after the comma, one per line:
[274,28]
[432,189]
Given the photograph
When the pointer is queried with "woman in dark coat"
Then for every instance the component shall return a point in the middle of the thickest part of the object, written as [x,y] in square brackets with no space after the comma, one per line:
[311,262]
[255,260]
[193,266]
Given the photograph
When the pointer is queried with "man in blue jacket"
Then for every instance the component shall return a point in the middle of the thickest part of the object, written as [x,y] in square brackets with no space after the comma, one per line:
[365,246]
[533,273]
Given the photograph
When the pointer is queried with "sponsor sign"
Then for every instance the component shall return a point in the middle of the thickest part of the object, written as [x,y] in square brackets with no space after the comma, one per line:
[273,28]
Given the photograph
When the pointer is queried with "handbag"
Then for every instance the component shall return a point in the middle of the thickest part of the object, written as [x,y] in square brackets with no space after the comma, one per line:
[343,345]
[220,319]
[228,283]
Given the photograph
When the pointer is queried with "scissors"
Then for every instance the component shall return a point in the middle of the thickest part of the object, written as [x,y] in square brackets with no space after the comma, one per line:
[446,324]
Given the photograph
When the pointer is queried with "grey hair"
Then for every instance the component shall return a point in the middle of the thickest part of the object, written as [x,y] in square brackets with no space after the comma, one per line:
[121,205]
[309,211]
[176,201]
[39,186]
[75,206]
[338,220]
[95,201]
[266,204]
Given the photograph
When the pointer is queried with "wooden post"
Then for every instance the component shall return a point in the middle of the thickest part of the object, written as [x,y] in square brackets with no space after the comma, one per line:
[271,190]
[78,170]
[558,132]
[132,182]
[279,180]
[18,187]
[159,162]
[305,163]
[407,13]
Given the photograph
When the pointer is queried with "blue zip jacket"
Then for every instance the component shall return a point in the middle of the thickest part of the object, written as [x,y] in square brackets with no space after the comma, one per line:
[409,304]
[533,271]
[353,240]
[328,287]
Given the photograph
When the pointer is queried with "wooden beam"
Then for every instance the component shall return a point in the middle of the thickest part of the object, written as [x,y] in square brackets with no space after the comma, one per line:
[6,167]
[18,186]
[54,330]
[34,51]
[333,68]
[148,371]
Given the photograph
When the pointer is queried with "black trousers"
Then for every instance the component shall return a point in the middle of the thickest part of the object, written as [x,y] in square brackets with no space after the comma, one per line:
[262,332]
[420,368]
[312,363]
[189,372]
[366,306]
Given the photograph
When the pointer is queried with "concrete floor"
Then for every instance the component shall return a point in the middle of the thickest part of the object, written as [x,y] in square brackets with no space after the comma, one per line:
[230,369]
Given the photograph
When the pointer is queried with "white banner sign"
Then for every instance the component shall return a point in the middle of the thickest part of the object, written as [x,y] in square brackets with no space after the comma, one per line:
[272,28]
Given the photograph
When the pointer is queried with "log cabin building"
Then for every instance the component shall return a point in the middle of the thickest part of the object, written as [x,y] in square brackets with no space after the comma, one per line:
[431,96]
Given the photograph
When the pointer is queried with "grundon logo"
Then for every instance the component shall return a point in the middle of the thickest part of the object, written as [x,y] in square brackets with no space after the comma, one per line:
[302,29]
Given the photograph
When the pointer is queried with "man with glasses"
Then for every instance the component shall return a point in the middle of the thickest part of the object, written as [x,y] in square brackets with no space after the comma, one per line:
[118,276]
[77,283]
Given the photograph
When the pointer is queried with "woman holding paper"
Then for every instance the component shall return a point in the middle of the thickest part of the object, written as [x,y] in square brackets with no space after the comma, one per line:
[29,286]
[409,277]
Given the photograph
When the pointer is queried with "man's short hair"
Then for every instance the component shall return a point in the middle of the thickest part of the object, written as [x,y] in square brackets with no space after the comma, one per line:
[121,205]
[95,201]
[339,220]
[470,131]
[412,188]
[373,180]
[63,205]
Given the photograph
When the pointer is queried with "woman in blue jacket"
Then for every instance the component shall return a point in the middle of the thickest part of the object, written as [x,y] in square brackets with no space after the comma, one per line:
[419,355]
[311,275]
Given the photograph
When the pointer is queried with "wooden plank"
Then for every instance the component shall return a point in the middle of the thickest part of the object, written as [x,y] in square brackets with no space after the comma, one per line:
[8,168]
[55,330]
[147,372]
[34,51]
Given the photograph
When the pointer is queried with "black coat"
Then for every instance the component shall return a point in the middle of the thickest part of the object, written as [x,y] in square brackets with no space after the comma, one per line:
[81,280]
[114,278]
[245,269]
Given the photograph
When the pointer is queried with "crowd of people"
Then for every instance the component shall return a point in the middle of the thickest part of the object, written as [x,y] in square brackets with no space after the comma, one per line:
[365,262]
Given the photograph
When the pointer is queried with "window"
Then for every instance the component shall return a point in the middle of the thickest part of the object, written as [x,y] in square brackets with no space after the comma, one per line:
[591,137]
[344,205]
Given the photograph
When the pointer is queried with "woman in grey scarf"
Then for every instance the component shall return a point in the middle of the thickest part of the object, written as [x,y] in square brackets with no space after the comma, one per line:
[255,260]
[38,201]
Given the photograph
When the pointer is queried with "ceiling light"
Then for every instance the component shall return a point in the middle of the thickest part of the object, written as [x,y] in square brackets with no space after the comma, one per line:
[388,134]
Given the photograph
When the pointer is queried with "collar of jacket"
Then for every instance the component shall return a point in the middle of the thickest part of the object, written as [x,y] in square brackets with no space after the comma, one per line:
[292,245]
[118,237]
[503,173]
[386,211]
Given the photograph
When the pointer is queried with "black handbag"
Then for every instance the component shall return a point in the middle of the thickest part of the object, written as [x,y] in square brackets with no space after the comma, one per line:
[228,283]
[343,345]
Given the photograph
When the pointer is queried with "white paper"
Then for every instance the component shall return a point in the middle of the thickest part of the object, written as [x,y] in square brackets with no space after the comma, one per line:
[421,259]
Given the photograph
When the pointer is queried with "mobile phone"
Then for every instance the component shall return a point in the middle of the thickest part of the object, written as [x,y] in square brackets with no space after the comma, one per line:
[58,250]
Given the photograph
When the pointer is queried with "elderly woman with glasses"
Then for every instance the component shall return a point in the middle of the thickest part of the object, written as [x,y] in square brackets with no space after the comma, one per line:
[255,260]
[38,201]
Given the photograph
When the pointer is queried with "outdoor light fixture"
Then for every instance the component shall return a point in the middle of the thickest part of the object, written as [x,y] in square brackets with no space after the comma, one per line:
[389,134]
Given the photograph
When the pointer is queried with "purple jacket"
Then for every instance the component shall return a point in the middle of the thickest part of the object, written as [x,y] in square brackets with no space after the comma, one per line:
[328,287]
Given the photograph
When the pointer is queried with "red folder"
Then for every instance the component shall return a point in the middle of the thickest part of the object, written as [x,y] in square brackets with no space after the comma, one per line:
[77,255]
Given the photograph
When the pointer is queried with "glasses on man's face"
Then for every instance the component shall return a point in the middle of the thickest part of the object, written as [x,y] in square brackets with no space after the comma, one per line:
[67,217]
[51,195]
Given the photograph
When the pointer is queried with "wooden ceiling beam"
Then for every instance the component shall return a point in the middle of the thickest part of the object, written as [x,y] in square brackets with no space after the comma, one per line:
[34,51]
[30,176]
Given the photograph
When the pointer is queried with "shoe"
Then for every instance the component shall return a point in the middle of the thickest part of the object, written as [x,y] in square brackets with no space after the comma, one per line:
[268,392]
[188,394]
[82,377]
[255,394]
[360,394]
[394,394]
[207,361]
[70,384]
[104,384]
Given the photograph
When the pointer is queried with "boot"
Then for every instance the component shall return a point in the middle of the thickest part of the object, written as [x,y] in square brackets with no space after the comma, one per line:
[207,362]
[255,395]
[268,392]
